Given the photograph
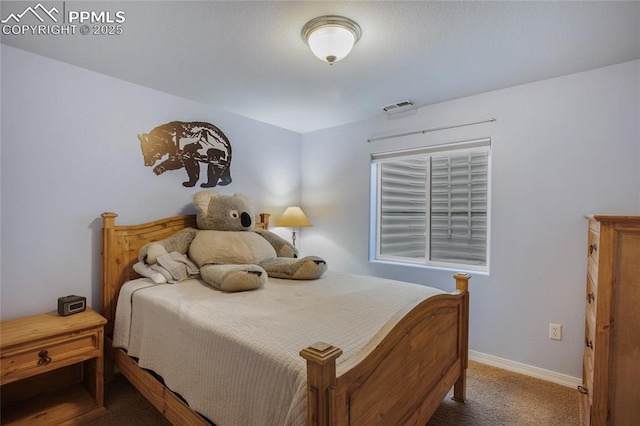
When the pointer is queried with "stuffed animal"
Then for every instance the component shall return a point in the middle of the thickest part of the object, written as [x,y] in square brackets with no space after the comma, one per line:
[230,254]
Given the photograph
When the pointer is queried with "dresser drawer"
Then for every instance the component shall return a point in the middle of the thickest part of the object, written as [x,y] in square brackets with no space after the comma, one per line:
[590,332]
[591,299]
[592,255]
[28,360]
[585,390]
[587,371]
[592,272]
[585,410]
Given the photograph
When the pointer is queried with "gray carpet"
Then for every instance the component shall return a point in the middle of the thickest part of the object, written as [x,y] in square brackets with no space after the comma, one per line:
[494,397]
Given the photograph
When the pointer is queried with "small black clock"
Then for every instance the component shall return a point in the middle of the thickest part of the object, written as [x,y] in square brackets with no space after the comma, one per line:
[71,305]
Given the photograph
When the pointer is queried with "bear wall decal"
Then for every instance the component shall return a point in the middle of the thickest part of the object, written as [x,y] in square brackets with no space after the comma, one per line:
[187,144]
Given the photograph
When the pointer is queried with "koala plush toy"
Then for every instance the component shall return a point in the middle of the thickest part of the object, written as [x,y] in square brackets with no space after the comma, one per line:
[231,255]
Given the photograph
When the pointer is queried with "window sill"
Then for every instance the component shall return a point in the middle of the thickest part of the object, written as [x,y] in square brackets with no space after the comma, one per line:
[431,267]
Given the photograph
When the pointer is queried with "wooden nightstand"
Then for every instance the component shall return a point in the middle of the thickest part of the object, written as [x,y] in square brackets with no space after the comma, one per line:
[51,368]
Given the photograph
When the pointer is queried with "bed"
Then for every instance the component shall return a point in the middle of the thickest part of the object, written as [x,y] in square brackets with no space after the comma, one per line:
[400,379]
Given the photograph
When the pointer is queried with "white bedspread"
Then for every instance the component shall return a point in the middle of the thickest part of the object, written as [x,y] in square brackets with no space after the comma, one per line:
[234,357]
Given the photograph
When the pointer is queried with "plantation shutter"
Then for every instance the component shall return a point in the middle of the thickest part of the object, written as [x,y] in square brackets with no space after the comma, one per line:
[459,194]
[403,208]
[433,203]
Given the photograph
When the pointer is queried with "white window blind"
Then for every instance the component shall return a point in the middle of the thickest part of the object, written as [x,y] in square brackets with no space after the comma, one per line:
[402,208]
[432,204]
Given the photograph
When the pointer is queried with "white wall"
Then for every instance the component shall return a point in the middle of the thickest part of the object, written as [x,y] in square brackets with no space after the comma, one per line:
[70,152]
[561,148]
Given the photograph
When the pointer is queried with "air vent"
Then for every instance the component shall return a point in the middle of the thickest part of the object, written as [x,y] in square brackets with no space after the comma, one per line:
[398,107]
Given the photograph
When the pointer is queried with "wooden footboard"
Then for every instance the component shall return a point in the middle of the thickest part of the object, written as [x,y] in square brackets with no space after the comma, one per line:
[402,381]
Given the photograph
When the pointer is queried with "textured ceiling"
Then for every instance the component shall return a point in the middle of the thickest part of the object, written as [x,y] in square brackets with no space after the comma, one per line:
[248,57]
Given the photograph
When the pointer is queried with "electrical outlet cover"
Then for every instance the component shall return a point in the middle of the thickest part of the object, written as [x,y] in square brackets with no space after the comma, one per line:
[555,331]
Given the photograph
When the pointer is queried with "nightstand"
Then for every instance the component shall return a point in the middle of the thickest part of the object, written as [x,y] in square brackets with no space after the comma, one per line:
[51,368]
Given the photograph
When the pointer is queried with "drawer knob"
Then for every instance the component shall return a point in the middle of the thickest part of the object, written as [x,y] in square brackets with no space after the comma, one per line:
[591,297]
[592,248]
[588,343]
[583,390]
[44,358]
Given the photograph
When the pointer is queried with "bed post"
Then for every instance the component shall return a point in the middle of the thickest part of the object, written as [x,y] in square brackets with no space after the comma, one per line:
[106,285]
[264,219]
[460,387]
[321,381]
[108,302]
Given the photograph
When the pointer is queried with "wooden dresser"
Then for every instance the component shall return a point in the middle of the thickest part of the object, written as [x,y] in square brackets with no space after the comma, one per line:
[610,391]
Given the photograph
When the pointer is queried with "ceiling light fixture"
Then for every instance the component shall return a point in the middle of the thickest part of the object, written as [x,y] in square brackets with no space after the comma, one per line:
[331,37]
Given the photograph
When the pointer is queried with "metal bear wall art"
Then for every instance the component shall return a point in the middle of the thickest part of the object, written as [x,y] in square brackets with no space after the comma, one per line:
[179,144]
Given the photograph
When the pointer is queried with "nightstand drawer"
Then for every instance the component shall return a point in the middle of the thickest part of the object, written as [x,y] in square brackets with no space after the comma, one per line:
[27,360]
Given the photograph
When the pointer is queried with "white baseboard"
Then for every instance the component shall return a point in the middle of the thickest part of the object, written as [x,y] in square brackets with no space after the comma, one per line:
[517,367]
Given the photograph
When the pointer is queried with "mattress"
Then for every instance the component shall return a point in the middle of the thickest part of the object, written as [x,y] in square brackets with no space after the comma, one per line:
[234,357]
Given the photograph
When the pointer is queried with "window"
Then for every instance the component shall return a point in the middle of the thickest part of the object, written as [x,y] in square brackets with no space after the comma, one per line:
[431,205]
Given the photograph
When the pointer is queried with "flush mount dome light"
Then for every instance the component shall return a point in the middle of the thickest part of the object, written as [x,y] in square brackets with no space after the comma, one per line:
[331,37]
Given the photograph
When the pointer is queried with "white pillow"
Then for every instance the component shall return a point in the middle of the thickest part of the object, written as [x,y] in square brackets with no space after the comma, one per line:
[146,271]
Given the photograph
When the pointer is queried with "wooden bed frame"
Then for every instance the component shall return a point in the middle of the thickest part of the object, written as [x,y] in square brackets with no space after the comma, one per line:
[402,381]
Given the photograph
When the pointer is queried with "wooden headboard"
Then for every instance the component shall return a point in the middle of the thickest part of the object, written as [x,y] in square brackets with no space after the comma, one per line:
[120,246]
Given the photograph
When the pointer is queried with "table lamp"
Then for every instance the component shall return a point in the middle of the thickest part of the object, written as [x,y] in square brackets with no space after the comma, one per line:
[293,217]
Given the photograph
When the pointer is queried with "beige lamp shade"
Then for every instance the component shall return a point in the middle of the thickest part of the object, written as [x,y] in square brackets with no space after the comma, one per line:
[293,217]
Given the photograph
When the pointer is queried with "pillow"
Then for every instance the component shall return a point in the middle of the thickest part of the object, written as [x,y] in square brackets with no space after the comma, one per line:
[146,271]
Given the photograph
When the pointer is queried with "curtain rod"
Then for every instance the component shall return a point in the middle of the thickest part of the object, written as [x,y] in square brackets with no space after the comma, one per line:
[434,129]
